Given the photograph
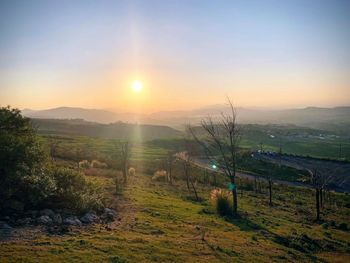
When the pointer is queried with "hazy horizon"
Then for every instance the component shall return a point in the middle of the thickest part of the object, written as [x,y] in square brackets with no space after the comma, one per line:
[213,106]
[186,55]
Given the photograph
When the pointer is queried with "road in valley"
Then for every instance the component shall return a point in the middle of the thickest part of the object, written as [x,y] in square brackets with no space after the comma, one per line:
[340,172]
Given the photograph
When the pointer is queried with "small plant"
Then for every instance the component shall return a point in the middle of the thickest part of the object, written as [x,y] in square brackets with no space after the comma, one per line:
[98,164]
[160,176]
[131,171]
[84,164]
[222,201]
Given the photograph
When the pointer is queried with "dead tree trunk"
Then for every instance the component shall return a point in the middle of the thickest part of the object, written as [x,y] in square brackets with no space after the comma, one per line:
[317,204]
[270,192]
[194,190]
[169,166]
[187,180]
[124,155]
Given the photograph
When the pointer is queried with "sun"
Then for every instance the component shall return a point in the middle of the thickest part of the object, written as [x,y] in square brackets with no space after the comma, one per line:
[137,86]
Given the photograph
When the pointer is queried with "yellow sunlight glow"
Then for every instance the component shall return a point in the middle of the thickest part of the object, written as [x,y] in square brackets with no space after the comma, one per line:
[137,86]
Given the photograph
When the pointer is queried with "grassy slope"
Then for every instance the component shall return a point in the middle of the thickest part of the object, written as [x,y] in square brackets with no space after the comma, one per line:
[159,224]
[327,148]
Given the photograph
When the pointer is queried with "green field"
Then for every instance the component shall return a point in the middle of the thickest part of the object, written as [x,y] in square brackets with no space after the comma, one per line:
[292,139]
[296,140]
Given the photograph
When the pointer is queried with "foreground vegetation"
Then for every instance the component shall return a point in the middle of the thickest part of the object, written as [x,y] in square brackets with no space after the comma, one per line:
[30,180]
[158,220]
[160,223]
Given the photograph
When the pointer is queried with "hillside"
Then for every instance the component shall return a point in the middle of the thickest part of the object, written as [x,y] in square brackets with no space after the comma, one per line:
[119,130]
[160,223]
[332,119]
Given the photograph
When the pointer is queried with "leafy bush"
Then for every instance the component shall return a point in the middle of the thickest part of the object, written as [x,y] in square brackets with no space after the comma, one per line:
[222,201]
[28,180]
[37,188]
[20,154]
[74,191]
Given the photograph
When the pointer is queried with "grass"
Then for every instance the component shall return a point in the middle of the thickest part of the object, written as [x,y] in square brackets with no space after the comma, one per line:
[159,223]
[293,144]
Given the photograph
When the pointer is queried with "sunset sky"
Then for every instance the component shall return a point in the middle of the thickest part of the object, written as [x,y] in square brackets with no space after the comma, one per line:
[186,54]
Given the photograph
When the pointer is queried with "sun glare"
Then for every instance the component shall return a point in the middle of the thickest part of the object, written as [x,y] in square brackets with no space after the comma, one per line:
[137,86]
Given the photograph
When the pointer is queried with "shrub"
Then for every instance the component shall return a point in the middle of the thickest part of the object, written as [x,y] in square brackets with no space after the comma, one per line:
[74,191]
[38,187]
[20,155]
[222,201]
[131,171]
[160,175]
[84,164]
[28,180]
[98,164]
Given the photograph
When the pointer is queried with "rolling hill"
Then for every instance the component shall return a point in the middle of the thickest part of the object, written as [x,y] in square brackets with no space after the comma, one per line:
[118,130]
[332,119]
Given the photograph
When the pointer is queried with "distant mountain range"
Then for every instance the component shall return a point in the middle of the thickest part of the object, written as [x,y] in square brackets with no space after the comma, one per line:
[335,119]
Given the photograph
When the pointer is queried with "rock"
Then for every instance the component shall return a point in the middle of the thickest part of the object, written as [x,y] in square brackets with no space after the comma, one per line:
[24,221]
[44,220]
[90,217]
[108,214]
[47,212]
[57,219]
[72,220]
[4,225]
[32,213]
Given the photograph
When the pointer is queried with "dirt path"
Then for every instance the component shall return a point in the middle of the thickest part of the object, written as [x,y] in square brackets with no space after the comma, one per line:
[126,210]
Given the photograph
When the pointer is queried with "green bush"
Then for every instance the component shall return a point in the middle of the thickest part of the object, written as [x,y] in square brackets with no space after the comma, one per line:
[28,180]
[222,201]
[21,156]
[74,191]
[37,188]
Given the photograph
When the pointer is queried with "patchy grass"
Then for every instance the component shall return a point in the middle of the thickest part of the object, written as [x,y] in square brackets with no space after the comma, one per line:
[159,223]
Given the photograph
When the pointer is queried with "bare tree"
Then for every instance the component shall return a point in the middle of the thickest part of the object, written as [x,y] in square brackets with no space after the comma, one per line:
[320,178]
[186,160]
[123,149]
[269,180]
[53,144]
[316,183]
[170,159]
[220,143]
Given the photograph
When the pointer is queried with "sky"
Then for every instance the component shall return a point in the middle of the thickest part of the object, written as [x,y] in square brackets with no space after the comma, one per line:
[186,53]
